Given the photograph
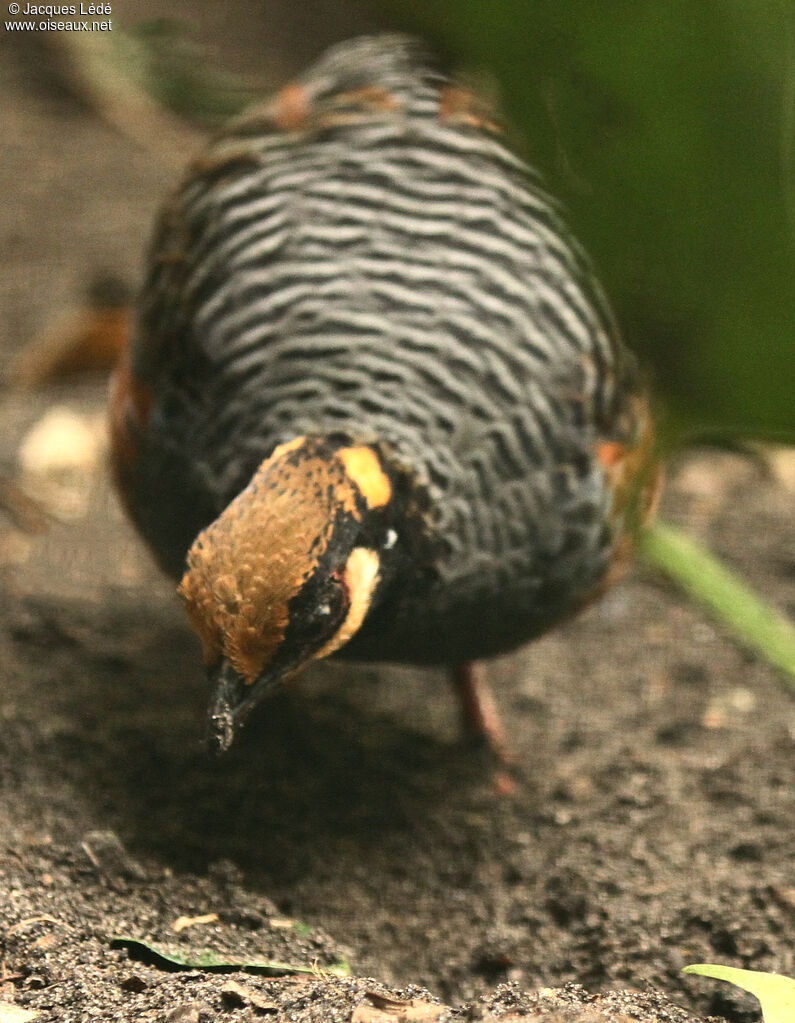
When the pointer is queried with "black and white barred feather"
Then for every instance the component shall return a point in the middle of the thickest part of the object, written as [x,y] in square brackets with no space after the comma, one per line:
[354,259]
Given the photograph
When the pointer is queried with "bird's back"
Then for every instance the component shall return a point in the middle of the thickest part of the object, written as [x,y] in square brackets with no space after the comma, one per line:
[364,256]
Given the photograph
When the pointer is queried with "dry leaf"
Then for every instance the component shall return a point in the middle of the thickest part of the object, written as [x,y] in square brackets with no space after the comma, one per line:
[13,1014]
[190,921]
[107,854]
[237,995]
[30,920]
[786,895]
[63,441]
[392,1010]
[387,1002]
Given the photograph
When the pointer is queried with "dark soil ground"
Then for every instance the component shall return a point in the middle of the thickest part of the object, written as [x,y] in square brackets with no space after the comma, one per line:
[653,821]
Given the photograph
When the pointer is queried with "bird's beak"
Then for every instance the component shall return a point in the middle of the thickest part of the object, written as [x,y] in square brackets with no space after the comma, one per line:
[231,701]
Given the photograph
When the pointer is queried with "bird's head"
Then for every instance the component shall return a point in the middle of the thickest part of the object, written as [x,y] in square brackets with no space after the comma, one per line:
[288,571]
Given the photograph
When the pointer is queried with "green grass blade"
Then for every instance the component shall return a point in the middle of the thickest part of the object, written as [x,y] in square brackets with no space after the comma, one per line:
[776,994]
[722,593]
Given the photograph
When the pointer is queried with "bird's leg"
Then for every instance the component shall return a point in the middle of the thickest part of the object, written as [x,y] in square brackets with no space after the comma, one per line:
[479,713]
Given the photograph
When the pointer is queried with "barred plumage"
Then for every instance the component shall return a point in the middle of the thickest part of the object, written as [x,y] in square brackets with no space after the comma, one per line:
[363,258]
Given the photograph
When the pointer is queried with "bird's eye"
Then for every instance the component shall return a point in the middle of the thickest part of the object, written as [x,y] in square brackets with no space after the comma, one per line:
[320,609]
[334,605]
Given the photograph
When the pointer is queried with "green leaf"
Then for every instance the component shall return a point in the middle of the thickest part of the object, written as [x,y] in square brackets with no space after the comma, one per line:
[720,591]
[170,958]
[776,994]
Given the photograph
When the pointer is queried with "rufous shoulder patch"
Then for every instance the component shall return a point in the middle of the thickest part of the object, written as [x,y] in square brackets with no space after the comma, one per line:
[632,471]
[610,453]
[460,106]
[369,97]
[290,108]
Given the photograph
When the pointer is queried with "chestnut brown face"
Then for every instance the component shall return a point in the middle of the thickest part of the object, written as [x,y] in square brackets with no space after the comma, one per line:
[322,617]
[283,576]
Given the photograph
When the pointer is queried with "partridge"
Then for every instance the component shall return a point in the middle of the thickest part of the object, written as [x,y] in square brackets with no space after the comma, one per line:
[374,402]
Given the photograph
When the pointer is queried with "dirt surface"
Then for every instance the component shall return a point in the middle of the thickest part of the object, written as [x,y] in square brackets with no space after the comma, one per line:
[653,821]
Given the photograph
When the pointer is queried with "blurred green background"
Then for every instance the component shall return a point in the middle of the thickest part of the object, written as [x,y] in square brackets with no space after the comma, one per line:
[668,131]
